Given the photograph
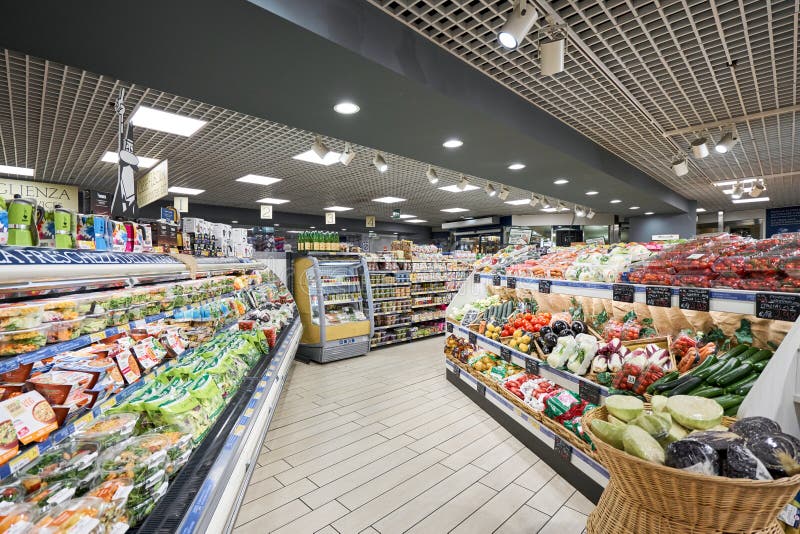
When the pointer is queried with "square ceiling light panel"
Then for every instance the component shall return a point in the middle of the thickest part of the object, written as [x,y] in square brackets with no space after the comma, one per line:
[454,210]
[518,202]
[144,163]
[337,208]
[185,190]
[155,119]
[269,200]
[407,216]
[19,171]
[389,200]
[311,157]
[258,180]
[455,189]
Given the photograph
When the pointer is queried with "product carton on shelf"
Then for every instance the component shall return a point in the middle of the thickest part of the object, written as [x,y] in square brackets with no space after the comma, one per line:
[192,225]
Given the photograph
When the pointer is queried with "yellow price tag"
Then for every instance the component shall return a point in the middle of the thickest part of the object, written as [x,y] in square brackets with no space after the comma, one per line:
[239,430]
[535,424]
[257,395]
[107,405]
[97,336]
[124,328]
[249,412]
[23,459]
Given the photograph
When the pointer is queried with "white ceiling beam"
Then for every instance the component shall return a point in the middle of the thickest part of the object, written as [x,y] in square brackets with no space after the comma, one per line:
[734,120]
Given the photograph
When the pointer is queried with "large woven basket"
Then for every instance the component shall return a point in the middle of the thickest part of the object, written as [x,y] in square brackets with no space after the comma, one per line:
[568,436]
[616,514]
[708,503]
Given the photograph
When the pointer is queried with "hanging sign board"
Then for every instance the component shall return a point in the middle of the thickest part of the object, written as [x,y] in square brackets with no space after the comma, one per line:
[266,212]
[46,195]
[596,241]
[153,185]
[370,221]
[181,204]
[519,236]
[330,217]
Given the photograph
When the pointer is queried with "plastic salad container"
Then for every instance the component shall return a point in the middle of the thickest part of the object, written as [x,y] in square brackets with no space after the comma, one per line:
[167,303]
[119,300]
[53,493]
[63,309]
[64,330]
[109,429]
[20,316]
[179,447]
[79,516]
[153,307]
[94,323]
[138,458]
[19,517]
[117,317]
[68,460]
[22,341]
[136,313]
[11,492]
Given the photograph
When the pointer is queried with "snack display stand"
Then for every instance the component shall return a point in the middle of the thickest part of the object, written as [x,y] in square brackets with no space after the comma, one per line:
[206,493]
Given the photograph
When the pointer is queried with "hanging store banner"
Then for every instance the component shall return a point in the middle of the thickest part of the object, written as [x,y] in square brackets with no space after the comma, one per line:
[782,220]
[153,185]
[46,195]
[370,221]
[519,236]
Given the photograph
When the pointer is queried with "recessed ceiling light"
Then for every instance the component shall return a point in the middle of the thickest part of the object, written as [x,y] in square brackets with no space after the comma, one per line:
[260,180]
[338,208]
[518,202]
[276,224]
[269,200]
[185,190]
[455,188]
[561,181]
[388,200]
[311,157]
[155,119]
[313,227]
[550,210]
[344,229]
[616,201]
[634,208]
[700,210]
[144,163]
[417,220]
[748,200]
[516,166]
[407,216]
[452,143]
[234,222]
[454,210]
[21,171]
[591,193]
[649,212]
[346,108]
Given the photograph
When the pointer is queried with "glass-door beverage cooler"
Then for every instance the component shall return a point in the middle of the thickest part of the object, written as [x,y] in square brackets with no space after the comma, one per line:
[334,297]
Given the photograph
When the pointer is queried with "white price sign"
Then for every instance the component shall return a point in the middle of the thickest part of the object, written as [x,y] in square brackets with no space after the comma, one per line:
[266,212]
[181,204]
[330,217]
[370,221]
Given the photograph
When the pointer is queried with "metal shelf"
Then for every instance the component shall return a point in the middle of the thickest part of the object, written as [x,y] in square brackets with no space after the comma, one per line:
[389,326]
[382,299]
[405,340]
[429,305]
[392,312]
[422,293]
[392,285]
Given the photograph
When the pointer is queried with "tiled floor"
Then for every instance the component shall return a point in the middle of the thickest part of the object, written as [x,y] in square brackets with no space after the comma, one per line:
[383,443]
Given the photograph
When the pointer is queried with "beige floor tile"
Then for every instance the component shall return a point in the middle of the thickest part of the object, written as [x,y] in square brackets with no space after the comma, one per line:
[380,506]
[565,521]
[314,520]
[464,439]
[526,520]
[316,451]
[495,512]
[433,439]
[321,462]
[453,512]
[552,496]
[271,501]
[328,529]
[309,432]
[340,469]
[466,455]
[278,453]
[259,524]
[428,501]
[580,503]
[277,429]
[536,477]
[510,470]
[260,473]
[261,488]
[498,454]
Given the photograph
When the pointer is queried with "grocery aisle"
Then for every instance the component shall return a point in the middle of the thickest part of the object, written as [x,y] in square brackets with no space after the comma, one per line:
[385,444]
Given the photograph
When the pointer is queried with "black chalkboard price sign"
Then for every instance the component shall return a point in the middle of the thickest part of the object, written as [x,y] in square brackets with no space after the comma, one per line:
[531,366]
[473,337]
[690,298]
[511,282]
[449,327]
[589,392]
[622,292]
[496,280]
[544,286]
[481,389]
[777,306]
[476,277]
[505,353]
[658,296]
[563,449]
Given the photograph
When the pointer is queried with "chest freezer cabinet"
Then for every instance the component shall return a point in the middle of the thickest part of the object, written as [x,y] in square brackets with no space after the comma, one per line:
[334,298]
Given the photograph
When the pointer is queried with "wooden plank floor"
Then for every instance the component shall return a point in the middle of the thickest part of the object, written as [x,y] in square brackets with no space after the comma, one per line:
[383,443]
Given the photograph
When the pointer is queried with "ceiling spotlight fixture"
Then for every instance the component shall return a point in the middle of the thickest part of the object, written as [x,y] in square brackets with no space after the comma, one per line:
[535,200]
[518,24]
[463,183]
[347,156]
[580,211]
[561,206]
[700,147]
[503,194]
[545,203]
[590,214]
[452,143]
[490,190]
[757,189]
[680,166]
[433,178]
[727,142]
[319,148]
[738,191]
[380,163]
[346,108]
[516,166]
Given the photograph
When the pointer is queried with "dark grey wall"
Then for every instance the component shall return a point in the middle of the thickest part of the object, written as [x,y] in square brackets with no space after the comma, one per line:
[643,228]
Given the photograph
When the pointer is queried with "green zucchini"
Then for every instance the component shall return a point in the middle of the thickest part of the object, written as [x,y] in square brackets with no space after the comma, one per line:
[735,351]
[760,356]
[744,389]
[707,392]
[685,387]
[732,411]
[728,401]
[664,387]
[700,369]
[746,354]
[669,377]
[752,377]
[759,366]
[727,366]
[734,375]
[710,370]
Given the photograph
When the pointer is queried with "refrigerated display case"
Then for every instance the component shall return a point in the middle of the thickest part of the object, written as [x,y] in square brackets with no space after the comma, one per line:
[334,298]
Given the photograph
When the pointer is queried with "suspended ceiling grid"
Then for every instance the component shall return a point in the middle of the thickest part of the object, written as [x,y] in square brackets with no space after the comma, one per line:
[635,69]
[59,121]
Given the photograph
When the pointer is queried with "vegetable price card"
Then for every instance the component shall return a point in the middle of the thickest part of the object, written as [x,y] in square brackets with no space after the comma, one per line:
[589,392]
[496,280]
[476,277]
[531,366]
[449,327]
[777,306]
[563,449]
[622,292]
[511,282]
[544,286]
[690,298]
[473,338]
[658,296]
[505,353]
[481,389]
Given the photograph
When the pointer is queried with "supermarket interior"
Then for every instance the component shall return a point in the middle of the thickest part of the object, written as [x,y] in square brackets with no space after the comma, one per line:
[385,266]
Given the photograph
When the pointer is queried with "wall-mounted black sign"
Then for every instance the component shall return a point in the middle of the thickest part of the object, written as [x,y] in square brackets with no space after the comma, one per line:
[658,296]
[544,286]
[476,278]
[622,292]
[511,282]
[496,280]
[563,449]
[481,389]
[778,307]
[473,337]
[589,392]
[531,366]
[449,327]
[505,353]
[690,298]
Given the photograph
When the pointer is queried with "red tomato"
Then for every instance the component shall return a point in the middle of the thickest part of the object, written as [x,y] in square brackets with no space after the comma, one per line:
[528,326]
[518,323]
[528,316]
[537,327]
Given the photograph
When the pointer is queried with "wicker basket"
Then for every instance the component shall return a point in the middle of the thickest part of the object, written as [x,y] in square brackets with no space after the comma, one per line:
[567,435]
[707,503]
[615,514]
[516,401]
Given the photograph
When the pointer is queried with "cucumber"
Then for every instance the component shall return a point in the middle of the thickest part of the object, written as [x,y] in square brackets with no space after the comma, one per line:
[708,392]
[735,351]
[752,377]
[759,366]
[685,387]
[759,356]
[728,401]
[669,377]
[744,389]
[746,354]
[700,370]
[734,375]
[727,366]
[664,387]
[710,370]
[732,411]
